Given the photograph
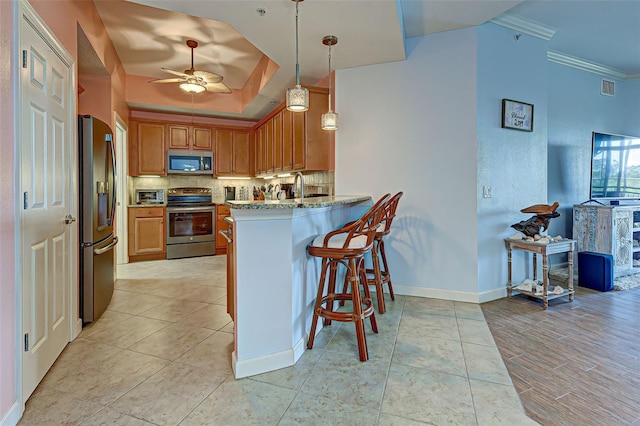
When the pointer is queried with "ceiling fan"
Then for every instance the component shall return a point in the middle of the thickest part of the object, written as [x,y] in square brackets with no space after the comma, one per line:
[195,81]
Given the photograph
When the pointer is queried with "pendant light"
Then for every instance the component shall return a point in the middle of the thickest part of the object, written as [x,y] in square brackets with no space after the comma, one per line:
[330,118]
[298,96]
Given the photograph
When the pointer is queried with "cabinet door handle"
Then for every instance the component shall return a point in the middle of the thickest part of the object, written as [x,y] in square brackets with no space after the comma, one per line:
[226,235]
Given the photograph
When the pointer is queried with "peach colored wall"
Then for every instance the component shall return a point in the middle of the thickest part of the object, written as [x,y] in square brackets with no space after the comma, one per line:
[96,98]
[7,218]
[62,17]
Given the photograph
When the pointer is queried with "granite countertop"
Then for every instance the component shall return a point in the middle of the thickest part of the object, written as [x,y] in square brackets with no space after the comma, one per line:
[147,205]
[294,203]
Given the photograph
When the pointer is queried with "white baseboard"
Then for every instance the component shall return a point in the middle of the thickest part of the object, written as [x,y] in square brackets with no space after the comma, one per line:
[458,296]
[266,363]
[495,294]
[12,416]
[436,293]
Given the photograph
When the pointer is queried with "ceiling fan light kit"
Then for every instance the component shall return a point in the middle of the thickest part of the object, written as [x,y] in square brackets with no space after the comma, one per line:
[330,118]
[192,87]
[298,96]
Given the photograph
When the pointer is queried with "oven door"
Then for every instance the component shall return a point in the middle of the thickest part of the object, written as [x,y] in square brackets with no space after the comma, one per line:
[190,224]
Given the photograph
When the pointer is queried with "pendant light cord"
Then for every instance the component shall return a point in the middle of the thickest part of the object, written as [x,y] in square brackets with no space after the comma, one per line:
[297,61]
[330,77]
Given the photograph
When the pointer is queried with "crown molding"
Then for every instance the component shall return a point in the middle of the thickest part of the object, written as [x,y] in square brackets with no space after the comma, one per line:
[525,26]
[535,29]
[581,64]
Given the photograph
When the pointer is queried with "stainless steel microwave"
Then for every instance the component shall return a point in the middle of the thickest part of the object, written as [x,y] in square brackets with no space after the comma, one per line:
[189,162]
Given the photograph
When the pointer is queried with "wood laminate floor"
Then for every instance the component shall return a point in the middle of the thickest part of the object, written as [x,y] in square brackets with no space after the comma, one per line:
[576,363]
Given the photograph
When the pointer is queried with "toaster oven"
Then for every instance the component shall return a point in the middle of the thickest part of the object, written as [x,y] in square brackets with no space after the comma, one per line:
[149,196]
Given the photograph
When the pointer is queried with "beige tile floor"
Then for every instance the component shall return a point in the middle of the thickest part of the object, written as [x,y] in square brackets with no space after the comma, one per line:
[161,355]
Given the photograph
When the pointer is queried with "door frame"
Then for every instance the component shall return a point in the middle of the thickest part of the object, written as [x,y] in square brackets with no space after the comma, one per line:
[25,18]
[122,166]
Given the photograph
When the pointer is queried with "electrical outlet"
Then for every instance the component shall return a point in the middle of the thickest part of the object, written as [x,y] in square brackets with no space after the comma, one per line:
[486,192]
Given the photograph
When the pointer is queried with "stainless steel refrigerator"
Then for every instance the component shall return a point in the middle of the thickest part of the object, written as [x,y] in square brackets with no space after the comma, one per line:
[97,179]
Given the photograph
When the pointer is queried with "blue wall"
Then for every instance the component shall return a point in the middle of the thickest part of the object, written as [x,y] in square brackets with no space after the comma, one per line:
[513,163]
[575,109]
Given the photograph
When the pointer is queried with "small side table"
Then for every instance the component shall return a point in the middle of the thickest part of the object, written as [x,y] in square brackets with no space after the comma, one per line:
[562,246]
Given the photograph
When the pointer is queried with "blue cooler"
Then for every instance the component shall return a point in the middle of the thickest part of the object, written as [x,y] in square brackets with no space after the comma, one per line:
[595,270]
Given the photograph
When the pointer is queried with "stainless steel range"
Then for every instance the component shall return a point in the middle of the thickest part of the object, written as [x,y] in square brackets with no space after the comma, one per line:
[191,223]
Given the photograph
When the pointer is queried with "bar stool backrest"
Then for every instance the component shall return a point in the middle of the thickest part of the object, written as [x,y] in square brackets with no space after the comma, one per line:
[372,219]
[389,212]
[365,227]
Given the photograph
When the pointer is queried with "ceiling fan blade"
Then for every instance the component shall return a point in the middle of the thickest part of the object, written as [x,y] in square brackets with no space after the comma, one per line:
[208,77]
[178,73]
[168,80]
[217,88]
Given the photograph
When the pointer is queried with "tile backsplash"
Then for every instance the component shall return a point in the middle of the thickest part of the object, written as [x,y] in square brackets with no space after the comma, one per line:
[314,183]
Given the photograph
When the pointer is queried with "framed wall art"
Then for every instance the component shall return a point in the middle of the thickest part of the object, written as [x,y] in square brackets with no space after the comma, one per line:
[517,115]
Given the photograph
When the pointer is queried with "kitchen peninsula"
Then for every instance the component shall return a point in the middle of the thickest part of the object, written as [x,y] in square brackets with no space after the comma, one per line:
[275,279]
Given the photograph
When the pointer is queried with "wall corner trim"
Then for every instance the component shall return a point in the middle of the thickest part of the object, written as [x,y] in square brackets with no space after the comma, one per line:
[12,416]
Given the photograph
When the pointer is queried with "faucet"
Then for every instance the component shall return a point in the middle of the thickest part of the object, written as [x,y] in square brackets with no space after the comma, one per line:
[295,183]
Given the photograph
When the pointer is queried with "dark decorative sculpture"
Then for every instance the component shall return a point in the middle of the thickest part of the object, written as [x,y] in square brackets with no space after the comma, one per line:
[539,222]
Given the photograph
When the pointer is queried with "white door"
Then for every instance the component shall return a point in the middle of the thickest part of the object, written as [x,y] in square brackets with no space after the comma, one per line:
[122,202]
[46,171]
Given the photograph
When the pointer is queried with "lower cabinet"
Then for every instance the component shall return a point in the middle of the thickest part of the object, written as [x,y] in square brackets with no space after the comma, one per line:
[147,233]
[221,243]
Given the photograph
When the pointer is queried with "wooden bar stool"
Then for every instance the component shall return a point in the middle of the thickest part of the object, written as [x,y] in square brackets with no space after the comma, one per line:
[378,276]
[347,247]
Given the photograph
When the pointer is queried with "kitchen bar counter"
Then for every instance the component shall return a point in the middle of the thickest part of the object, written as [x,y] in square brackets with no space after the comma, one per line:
[275,279]
[293,203]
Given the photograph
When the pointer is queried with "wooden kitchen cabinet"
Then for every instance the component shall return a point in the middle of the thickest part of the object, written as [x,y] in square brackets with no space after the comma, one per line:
[295,141]
[146,148]
[184,136]
[232,153]
[277,141]
[222,211]
[147,233]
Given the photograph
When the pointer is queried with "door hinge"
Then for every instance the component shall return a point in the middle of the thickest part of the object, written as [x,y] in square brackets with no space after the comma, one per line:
[24,59]
[25,200]
[26,342]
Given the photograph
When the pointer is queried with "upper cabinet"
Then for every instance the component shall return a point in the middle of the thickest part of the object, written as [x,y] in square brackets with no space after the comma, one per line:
[183,136]
[294,141]
[232,153]
[282,142]
[146,148]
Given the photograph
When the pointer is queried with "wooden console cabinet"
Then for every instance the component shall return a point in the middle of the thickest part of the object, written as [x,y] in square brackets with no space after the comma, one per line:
[147,233]
[613,230]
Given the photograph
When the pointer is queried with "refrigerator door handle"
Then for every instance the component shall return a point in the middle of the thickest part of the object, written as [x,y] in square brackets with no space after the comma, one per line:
[109,140]
[107,248]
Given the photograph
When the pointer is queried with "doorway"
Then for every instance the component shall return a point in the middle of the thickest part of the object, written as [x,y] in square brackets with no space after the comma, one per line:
[122,256]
